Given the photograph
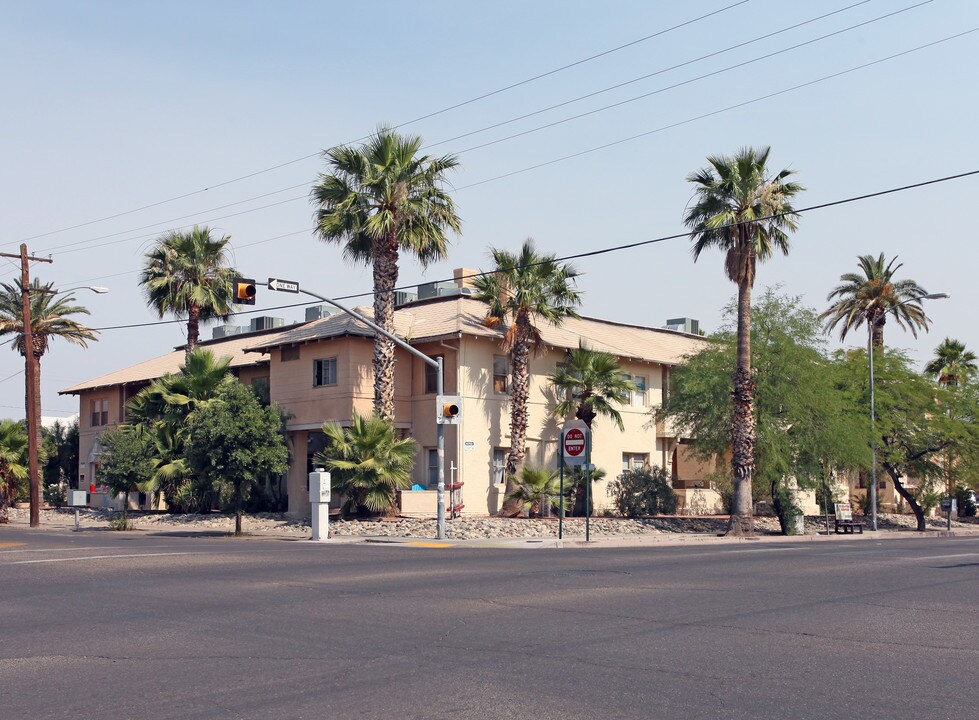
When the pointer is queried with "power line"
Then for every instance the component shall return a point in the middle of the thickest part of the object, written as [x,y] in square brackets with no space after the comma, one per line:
[601,251]
[515,119]
[400,125]
[599,147]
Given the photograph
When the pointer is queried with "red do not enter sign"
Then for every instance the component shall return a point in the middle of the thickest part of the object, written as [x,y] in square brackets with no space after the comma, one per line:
[574,443]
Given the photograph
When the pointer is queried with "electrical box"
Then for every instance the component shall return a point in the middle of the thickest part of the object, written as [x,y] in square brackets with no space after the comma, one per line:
[319,487]
[77,498]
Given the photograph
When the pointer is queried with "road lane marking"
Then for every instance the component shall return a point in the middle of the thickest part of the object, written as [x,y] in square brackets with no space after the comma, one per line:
[95,557]
[11,544]
[428,544]
[943,557]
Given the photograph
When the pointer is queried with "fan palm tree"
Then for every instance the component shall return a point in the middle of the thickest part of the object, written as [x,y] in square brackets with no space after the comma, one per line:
[745,211]
[952,363]
[370,462]
[535,490]
[521,290]
[188,274]
[872,296]
[381,200]
[593,384]
[13,462]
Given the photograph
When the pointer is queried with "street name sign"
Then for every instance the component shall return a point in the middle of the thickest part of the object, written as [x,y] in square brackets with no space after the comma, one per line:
[283,285]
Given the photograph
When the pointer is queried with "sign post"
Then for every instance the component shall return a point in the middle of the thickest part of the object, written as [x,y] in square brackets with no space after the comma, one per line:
[576,451]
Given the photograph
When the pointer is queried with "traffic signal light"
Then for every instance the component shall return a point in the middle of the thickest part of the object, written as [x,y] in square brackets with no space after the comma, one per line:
[449,409]
[244,291]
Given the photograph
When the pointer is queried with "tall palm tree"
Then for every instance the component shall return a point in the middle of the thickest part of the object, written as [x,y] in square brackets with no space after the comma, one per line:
[872,296]
[952,363]
[188,274]
[371,463]
[381,200]
[745,211]
[13,462]
[50,318]
[593,384]
[523,289]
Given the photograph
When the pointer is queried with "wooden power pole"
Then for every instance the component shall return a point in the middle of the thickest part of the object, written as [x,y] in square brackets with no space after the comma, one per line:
[33,404]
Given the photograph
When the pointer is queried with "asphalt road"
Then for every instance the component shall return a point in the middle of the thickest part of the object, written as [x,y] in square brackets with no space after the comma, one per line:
[125,625]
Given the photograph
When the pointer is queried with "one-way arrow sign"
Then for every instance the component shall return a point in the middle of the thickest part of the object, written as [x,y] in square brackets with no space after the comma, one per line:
[283,285]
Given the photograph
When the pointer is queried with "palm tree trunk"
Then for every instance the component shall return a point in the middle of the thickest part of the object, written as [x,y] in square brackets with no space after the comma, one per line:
[193,327]
[385,280]
[519,395]
[743,422]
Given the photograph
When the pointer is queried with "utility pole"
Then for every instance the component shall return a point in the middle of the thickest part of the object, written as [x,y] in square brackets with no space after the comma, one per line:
[33,388]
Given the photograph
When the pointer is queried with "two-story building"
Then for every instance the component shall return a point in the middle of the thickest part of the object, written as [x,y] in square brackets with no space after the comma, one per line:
[320,371]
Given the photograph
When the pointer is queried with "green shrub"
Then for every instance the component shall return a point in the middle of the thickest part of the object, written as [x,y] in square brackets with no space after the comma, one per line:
[966,501]
[643,491]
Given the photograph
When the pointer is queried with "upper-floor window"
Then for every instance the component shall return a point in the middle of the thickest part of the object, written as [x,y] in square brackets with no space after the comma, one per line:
[100,412]
[639,394]
[501,374]
[325,372]
[634,461]
[432,376]
[289,352]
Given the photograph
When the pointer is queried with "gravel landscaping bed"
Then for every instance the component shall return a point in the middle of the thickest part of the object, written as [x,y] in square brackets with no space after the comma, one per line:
[465,528]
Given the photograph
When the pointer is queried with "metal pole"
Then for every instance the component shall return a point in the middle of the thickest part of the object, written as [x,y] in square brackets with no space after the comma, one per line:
[439,428]
[873,431]
[440,452]
[588,486]
[560,515]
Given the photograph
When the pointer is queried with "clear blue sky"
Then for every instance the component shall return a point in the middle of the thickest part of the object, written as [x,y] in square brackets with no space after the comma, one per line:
[111,106]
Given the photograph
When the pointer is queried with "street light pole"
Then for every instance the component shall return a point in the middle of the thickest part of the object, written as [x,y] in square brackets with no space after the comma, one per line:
[439,427]
[873,432]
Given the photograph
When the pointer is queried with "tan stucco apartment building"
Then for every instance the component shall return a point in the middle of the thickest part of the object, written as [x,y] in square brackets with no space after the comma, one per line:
[321,371]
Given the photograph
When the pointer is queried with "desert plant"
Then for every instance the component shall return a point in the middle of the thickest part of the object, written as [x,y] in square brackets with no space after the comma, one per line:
[536,489]
[643,491]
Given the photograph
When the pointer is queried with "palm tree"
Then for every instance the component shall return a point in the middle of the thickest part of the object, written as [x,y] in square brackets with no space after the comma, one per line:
[872,296]
[13,462]
[952,363]
[370,462]
[522,289]
[380,200]
[745,211]
[592,384]
[188,273]
[535,490]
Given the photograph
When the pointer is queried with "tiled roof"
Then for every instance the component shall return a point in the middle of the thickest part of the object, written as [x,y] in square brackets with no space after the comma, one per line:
[455,315]
[233,347]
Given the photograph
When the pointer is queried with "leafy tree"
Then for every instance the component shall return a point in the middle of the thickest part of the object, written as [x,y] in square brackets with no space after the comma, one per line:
[593,384]
[643,491]
[61,468]
[872,296]
[188,274]
[13,463]
[746,212]
[535,490]
[161,413]
[913,431]
[806,427]
[952,363]
[523,289]
[380,200]
[233,443]
[124,463]
[370,463]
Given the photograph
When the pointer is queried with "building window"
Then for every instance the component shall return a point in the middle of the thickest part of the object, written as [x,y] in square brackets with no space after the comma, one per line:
[100,412]
[432,376]
[639,394]
[634,461]
[499,465]
[501,374]
[666,383]
[433,468]
[290,352]
[260,386]
[325,372]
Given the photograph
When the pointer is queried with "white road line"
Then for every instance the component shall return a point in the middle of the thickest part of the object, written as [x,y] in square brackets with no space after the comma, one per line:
[761,550]
[942,557]
[62,549]
[95,557]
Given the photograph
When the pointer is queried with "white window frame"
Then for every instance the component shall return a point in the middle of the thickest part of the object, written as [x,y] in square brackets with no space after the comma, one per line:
[634,460]
[318,372]
[640,397]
